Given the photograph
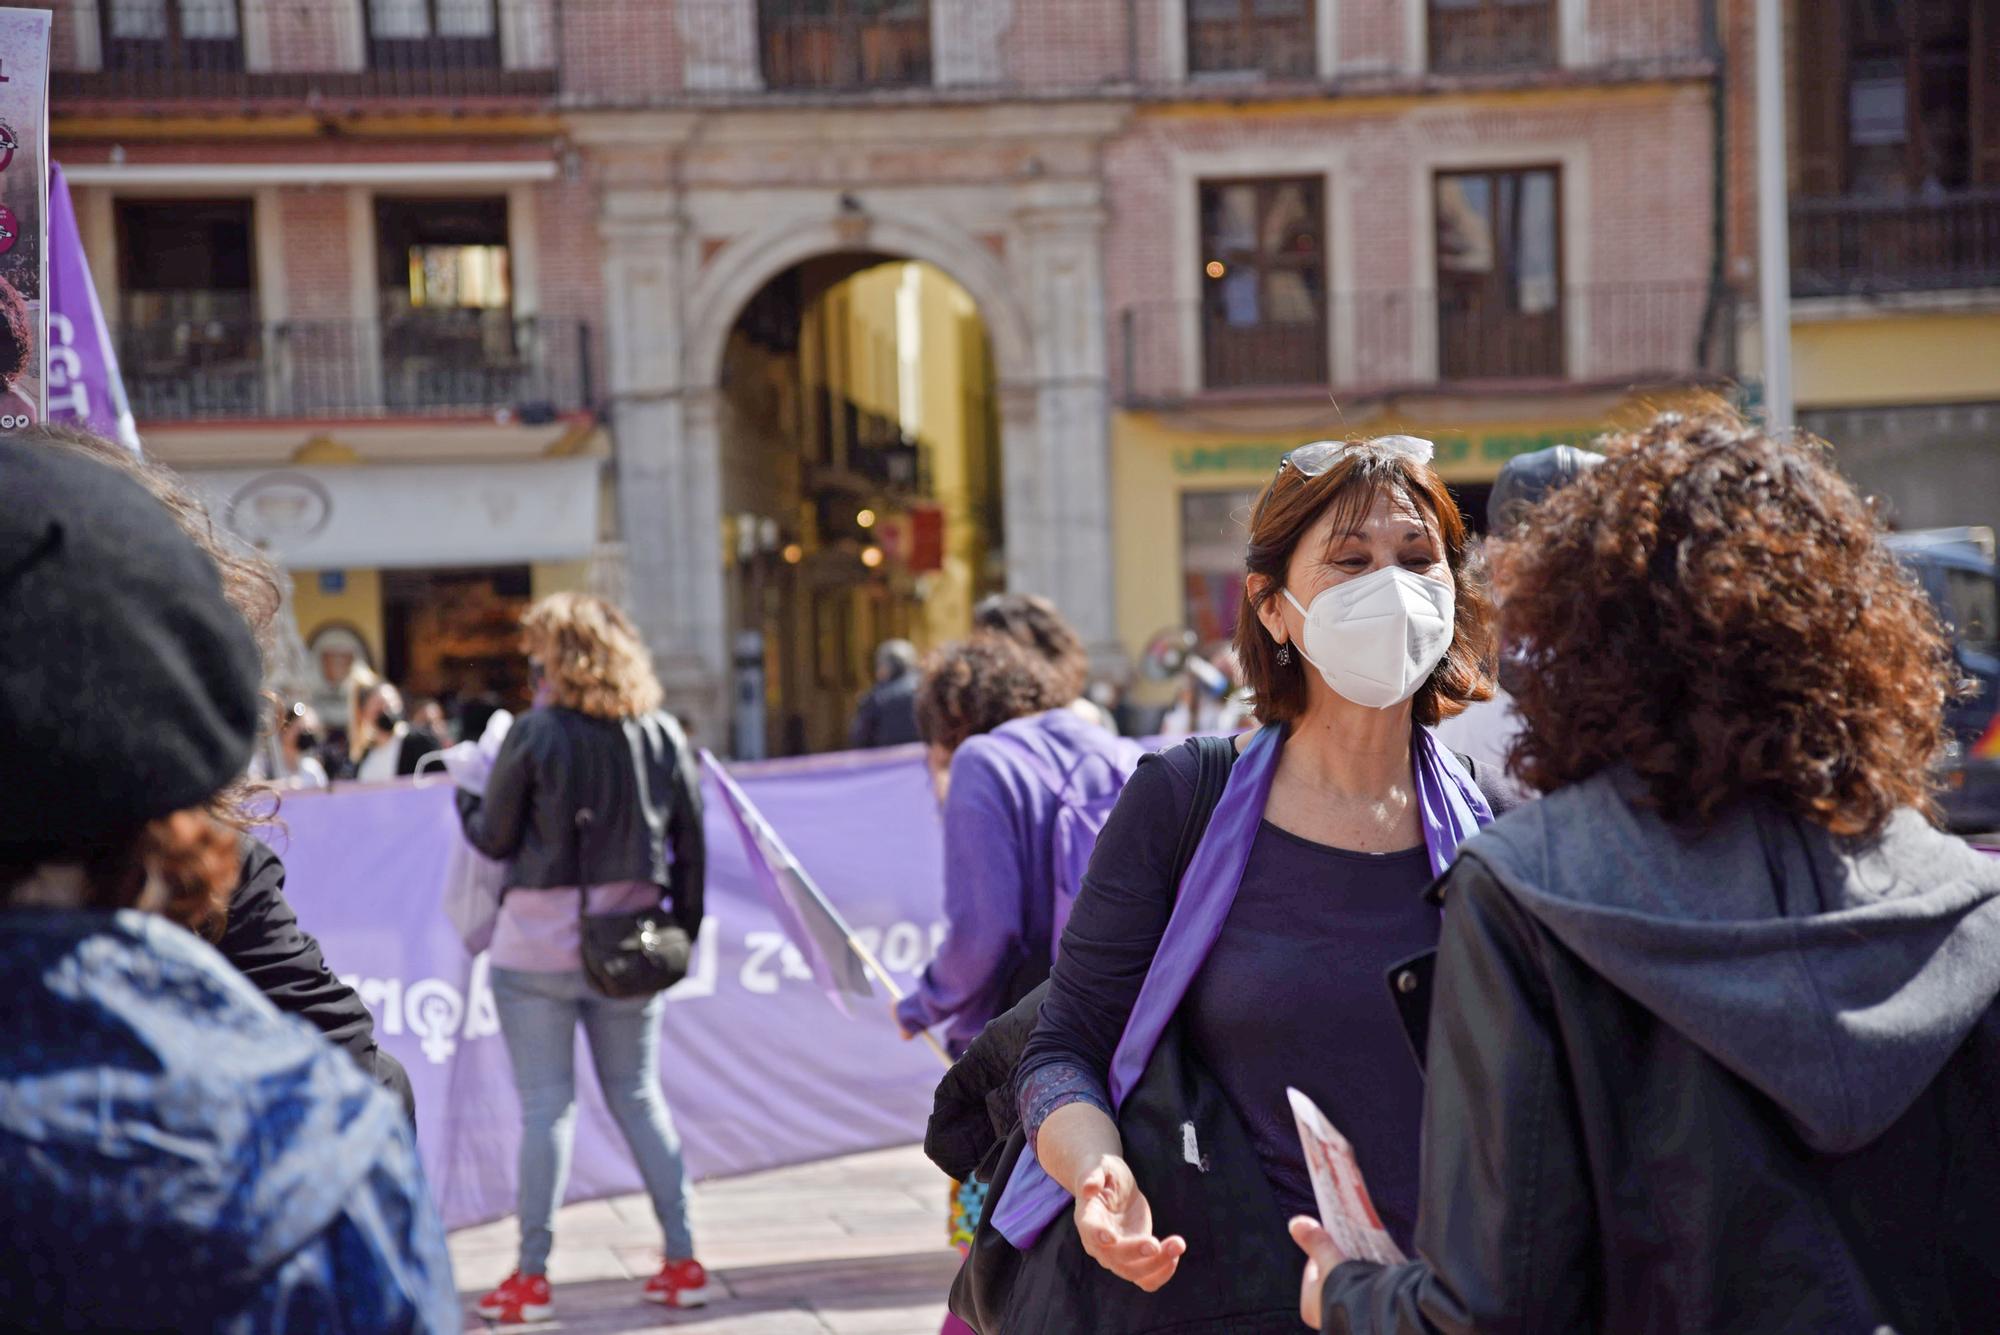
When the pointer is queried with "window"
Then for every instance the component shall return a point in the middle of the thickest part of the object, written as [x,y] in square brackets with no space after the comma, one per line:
[1973,610]
[448,331]
[1491,34]
[427,34]
[194,35]
[845,43]
[1263,261]
[188,340]
[1214,535]
[1898,118]
[1270,37]
[1499,267]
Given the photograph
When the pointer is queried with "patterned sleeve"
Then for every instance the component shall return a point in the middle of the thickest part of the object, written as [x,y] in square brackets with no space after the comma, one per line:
[1056,1086]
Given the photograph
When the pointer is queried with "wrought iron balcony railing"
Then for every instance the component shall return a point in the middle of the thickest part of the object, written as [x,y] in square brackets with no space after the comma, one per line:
[1870,247]
[428,364]
[1364,342]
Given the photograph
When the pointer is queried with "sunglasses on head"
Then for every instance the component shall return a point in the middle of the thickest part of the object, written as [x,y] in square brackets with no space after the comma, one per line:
[1314,459]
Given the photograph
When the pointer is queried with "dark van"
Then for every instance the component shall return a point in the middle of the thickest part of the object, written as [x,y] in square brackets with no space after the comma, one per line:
[1956,568]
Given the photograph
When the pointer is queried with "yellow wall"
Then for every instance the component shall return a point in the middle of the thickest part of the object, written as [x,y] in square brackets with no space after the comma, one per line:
[359,606]
[558,577]
[1891,359]
[1154,463]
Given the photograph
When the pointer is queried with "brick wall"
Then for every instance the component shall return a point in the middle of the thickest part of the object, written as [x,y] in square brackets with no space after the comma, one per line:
[319,276]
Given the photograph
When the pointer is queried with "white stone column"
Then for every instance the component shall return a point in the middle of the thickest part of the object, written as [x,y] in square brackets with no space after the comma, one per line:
[668,486]
[1058,458]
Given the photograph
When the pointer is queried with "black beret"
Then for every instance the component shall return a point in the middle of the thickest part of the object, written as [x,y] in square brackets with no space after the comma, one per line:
[128,684]
[1527,479]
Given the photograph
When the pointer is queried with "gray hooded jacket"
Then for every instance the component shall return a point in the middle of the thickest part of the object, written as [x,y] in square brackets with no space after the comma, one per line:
[1745,1078]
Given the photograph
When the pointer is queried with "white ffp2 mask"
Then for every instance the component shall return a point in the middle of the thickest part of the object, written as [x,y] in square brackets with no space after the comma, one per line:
[1377,639]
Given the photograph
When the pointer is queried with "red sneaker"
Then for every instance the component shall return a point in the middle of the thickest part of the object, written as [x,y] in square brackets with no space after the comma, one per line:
[519,1299]
[679,1284]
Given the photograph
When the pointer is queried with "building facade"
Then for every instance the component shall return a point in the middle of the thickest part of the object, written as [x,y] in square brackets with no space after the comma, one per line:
[1894,180]
[875,305]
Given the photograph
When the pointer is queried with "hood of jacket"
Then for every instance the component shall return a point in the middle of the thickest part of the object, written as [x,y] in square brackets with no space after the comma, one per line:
[1836,976]
[153,1105]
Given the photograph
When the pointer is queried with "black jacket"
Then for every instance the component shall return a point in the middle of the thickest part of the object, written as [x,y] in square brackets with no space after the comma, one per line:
[263,939]
[1739,1080]
[636,776]
[887,715]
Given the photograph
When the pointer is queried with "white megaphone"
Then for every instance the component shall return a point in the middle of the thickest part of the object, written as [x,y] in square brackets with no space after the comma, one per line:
[1172,652]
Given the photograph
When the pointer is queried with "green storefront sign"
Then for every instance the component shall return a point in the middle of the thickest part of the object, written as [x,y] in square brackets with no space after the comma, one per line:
[1452,448]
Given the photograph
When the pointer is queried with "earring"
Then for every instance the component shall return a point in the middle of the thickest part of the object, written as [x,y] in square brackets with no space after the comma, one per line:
[1285,654]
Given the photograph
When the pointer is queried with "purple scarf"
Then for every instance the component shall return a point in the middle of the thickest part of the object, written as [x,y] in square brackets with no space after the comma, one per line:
[1451,808]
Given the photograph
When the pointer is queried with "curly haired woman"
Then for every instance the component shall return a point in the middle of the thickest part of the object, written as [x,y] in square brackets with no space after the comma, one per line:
[604,747]
[1714,1045]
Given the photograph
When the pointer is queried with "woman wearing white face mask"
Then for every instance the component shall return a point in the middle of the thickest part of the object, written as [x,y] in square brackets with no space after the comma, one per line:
[1360,629]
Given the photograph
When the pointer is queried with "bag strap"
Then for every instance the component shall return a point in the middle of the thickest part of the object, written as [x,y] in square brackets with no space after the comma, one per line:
[582,822]
[1213,756]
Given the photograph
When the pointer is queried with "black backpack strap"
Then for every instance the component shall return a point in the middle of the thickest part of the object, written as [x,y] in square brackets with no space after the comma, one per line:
[1213,758]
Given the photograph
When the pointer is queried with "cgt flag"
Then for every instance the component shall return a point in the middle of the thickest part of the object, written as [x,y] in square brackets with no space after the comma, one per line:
[813,924]
[83,381]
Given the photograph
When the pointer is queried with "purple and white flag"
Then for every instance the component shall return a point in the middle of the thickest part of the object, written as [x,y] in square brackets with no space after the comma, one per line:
[812,923]
[84,385]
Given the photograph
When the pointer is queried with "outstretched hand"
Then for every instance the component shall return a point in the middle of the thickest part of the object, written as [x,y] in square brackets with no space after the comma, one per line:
[1323,1256]
[1115,1223]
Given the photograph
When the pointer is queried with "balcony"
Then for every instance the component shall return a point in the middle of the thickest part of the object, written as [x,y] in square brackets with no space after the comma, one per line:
[473,364]
[836,48]
[1866,247]
[326,53]
[1374,343]
[1491,37]
[1278,47]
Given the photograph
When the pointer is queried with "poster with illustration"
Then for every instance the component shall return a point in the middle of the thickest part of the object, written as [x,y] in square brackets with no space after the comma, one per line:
[24,211]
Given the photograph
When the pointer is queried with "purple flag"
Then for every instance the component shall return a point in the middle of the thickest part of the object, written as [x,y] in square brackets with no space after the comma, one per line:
[83,381]
[812,923]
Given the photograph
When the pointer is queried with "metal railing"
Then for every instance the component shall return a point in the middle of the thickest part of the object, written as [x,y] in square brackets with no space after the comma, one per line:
[329,54]
[1491,37]
[1864,247]
[1369,342]
[471,363]
[299,51]
[807,51]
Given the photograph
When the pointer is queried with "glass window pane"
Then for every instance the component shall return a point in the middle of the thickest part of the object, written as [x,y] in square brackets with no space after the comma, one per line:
[459,277]
[1975,609]
[208,20]
[1288,225]
[139,20]
[396,19]
[1236,218]
[1290,297]
[1465,225]
[1877,107]
[465,18]
[1240,305]
[1279,9]
[1214,534]
[1206,10]
[1535,258]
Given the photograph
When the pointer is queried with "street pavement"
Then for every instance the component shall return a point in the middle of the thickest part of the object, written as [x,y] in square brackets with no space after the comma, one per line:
[851,1246]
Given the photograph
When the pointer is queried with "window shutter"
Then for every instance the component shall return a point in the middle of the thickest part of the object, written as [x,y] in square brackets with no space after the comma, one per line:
[1986,92]
[1820,72]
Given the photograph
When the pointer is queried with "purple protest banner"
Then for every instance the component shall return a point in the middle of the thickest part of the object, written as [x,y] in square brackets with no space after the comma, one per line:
[759,1070]
[84,385]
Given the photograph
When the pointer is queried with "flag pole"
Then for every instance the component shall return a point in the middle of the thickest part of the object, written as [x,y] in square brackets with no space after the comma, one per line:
[896,994]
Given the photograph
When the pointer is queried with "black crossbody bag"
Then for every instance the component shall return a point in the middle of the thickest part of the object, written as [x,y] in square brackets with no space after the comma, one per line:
[631,954]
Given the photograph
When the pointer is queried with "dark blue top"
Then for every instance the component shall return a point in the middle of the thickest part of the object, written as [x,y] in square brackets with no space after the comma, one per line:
[1295,991]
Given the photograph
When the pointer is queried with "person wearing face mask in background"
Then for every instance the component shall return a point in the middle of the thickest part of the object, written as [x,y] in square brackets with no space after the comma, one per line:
[384,746]
[289,756]
[1362,628]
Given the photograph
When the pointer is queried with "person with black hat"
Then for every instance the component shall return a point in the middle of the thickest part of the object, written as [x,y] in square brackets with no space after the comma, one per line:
[1487,728]
[177,1153]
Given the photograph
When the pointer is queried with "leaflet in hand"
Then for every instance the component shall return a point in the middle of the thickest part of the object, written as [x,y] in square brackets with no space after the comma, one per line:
[1344,1207]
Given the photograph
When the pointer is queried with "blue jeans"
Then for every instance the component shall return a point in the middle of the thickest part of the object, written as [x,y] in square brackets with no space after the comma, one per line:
[538,1019]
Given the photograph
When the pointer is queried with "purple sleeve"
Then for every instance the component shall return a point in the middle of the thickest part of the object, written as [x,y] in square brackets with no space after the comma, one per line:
[1109,943]
[985,884]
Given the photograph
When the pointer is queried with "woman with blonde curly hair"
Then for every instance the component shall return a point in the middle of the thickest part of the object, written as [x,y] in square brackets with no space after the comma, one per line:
[594,804]
[1714,1044]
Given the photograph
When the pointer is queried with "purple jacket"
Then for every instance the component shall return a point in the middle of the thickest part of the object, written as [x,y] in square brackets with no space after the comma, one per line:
[999,870]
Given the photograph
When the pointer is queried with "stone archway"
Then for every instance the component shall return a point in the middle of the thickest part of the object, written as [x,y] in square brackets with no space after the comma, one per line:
[1043,305]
